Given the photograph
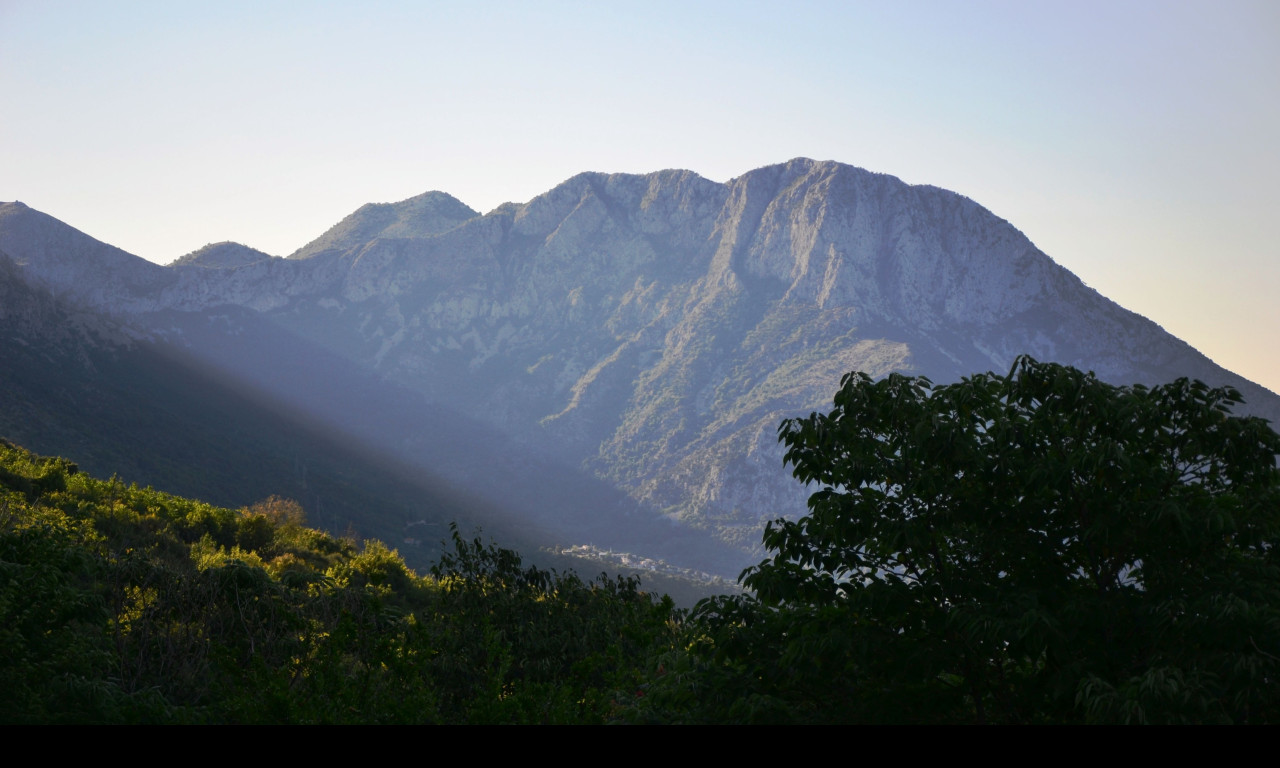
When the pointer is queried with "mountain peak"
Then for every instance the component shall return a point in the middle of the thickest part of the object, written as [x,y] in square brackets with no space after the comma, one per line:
[430,213]
[223,255]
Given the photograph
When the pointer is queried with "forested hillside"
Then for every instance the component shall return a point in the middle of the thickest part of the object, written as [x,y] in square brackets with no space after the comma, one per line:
[124,604]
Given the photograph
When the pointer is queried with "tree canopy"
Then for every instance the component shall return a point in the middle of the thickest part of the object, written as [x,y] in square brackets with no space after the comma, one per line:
[1041,546]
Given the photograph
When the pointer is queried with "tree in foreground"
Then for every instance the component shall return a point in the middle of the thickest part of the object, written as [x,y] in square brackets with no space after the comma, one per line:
[1041,546]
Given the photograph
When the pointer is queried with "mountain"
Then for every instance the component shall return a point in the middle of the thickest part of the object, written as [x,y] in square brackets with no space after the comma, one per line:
[69,263]
[426,214]
[224,255]
[647,333]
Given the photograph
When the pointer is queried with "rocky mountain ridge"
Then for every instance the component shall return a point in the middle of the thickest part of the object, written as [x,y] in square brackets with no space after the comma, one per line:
[655,329]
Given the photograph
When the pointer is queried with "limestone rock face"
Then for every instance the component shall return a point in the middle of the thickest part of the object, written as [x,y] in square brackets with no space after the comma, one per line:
[656,329]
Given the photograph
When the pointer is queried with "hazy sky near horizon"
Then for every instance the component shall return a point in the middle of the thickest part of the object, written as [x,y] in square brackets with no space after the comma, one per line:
[1133,142]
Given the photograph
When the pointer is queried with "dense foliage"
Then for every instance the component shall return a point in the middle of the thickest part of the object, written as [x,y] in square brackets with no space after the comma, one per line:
[124,604]
[1037,547]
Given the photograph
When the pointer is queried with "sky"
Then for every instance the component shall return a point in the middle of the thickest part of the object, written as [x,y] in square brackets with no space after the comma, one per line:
[1136,143]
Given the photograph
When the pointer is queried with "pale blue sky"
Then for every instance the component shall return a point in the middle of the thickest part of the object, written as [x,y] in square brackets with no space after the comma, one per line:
[1134,142]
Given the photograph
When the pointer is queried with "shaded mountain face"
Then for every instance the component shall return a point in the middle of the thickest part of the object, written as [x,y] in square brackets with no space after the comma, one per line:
[74,383]
[654,330]
[72,265]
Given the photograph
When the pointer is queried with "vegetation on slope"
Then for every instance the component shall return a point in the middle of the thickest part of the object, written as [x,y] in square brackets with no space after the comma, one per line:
[1040,547]
[124,604]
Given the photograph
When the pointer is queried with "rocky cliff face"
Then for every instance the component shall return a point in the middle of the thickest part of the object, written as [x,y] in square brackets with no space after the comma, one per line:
[655,329]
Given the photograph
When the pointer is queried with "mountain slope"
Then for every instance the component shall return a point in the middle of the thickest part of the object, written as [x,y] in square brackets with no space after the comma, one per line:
[71,264]
[73,382]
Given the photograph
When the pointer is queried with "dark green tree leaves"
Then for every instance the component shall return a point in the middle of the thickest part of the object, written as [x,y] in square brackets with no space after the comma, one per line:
[1037,546]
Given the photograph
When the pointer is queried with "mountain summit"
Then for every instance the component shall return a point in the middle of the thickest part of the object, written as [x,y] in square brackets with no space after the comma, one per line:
[426,214]
[224,255]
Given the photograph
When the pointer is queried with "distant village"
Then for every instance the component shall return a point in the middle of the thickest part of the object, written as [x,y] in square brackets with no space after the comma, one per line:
[610,559]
